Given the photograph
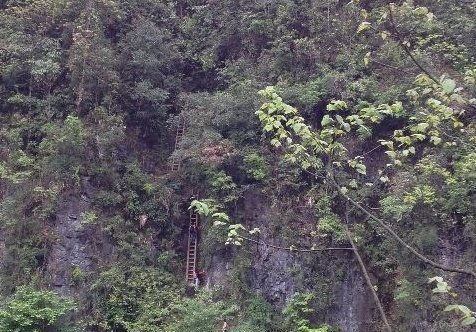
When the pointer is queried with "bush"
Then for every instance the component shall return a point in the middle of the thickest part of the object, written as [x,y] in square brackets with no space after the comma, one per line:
[29,310]
[199,314]
[255,166]
[133,299]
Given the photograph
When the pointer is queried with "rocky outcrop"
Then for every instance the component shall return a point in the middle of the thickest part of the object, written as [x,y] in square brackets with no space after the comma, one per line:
[354,307]
[73,254]
[278,274]
[3,249]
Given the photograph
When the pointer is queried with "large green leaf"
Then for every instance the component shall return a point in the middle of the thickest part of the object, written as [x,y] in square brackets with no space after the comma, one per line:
[448,85]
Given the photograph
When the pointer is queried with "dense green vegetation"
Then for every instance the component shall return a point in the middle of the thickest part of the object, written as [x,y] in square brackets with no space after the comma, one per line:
[381,135]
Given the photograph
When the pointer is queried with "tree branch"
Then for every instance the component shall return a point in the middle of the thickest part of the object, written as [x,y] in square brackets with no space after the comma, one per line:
[395,235]
[469,145]
[365,273]
[292,249]
[390,66]
[405,47]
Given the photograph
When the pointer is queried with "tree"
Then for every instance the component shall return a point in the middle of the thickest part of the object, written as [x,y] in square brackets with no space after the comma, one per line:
[202,313]
[31,310]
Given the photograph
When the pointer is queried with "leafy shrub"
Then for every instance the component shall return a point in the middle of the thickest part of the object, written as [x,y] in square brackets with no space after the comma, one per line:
[223,186]
[255,166]
[29,310]
[199,314]
[260,314]
[297,312]
[133,299]
[64,149]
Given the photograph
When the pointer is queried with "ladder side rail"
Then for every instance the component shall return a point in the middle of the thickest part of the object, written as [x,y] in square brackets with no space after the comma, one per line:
[180,131]
[188,258]
[192,246]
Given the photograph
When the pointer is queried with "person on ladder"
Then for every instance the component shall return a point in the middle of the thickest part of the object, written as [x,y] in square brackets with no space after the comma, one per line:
[198,277]
[224,327]
[193,232]
[196,281]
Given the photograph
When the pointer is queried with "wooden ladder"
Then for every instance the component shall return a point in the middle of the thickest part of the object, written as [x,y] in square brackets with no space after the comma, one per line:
[192,245]
[175,162]
[192,248]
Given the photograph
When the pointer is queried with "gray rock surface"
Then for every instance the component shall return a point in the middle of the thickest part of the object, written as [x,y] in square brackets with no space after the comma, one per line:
[277,275]
[354,304]
[73,249]
[2,250]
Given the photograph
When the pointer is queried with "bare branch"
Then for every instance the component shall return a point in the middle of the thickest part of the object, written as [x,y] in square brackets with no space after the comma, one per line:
[292,249]
[469,145]
[400,70]
[405,47]
[395,235]
[365,273]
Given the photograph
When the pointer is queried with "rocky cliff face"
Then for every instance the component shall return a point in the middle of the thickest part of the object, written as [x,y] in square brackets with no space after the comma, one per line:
[279,274]
[78,248]
[342,297]
[354,309]
[2,250]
